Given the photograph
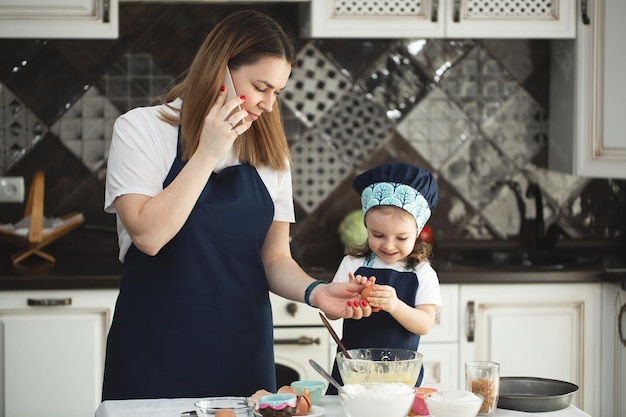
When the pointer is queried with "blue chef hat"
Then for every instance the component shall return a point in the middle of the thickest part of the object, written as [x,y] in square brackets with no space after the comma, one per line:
[396,184]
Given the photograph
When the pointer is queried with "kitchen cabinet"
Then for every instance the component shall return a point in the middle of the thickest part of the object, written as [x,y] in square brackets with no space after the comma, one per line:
[586,93]
[440,346]
[52,348]
[439,19]
[613,350]
[43,19]
[540,330]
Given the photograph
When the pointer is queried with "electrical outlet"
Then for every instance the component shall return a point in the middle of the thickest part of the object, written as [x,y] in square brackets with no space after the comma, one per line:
[11,189]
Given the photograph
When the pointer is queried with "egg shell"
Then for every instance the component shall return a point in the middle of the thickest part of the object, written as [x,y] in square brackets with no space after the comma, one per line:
[286,389]
[304,403]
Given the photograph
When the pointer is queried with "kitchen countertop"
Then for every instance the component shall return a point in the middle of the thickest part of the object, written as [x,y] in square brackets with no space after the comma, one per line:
[101,270]
[330,404]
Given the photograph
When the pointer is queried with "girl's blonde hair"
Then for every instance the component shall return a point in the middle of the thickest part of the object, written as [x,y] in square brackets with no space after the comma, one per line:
[242,38]
[422,251]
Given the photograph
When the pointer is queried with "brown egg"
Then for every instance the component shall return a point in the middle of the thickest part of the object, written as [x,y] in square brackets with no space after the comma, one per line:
[366,292]
[225,412]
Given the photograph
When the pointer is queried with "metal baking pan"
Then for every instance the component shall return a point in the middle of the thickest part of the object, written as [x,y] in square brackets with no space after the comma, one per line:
[535,394]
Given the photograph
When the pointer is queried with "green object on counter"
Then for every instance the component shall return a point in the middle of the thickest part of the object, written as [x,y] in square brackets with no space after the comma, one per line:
[352,231]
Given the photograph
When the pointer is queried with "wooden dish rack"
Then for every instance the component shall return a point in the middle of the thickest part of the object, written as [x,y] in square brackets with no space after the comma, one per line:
[33,242]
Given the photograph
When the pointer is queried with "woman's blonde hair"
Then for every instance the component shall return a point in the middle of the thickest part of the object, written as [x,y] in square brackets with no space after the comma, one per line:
[242,38]
[422,251]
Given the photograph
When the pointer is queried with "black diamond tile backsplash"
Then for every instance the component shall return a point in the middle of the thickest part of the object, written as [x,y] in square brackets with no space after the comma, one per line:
[475,112]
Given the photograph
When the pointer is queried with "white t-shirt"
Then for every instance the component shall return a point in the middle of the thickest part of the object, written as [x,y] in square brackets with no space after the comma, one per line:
[143,149]
[428,291]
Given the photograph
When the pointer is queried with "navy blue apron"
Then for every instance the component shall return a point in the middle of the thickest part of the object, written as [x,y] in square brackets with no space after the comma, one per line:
[195,320]
[389,333]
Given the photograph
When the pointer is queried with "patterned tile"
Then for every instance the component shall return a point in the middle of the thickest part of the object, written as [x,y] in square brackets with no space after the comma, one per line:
[521,57]
[395,81]
[436,56]
[317,170]
[436,127]
[356,127]
[20,129]
[599,209]
[352,56]
[134,81]
[479,84]
[473,169]
[86,128]
[519,128]
[315,85]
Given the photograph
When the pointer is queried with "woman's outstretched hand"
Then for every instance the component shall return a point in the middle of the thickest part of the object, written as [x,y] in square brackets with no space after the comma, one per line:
[342,299]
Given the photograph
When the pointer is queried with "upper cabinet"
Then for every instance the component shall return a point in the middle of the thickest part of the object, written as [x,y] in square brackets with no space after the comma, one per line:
[43,19]
[440,19]
[587,90]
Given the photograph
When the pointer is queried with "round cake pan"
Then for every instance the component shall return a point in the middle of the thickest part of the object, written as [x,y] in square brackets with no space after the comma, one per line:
[531,394]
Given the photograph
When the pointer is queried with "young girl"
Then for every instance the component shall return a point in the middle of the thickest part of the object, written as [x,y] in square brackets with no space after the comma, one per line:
[397,200]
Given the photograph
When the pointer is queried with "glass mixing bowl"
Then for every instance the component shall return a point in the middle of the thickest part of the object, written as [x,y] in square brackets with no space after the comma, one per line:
[380,365]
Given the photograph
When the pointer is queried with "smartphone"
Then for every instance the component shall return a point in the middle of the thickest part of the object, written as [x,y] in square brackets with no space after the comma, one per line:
[230,89]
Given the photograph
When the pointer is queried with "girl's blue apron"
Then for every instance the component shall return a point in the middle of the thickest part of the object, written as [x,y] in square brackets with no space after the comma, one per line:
[381,330]
[195,320]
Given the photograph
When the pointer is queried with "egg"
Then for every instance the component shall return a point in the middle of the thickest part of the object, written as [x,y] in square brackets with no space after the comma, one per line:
[225,412]
[366,292]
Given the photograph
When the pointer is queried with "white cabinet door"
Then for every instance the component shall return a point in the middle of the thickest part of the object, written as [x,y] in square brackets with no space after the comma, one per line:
[440,346]
[539,330]
[81,19]
[511,19]
[439,19]
[587,90]
[373,19]
[613,350]
[52,346]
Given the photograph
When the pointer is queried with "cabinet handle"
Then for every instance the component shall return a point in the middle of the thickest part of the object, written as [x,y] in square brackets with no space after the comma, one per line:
[292,309]
[584,12]
[434,12]
[471,321]
[106,11]
[49,302]
[622,336]
[456,14]
[302,340]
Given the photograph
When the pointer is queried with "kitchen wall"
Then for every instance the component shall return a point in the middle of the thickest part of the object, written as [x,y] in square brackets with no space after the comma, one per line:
[475,112]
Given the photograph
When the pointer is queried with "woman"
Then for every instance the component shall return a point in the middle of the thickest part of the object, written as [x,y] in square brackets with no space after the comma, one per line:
[202,192]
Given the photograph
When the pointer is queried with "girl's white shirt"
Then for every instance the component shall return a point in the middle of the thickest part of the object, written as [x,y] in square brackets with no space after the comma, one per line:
[143,149]
[428,291]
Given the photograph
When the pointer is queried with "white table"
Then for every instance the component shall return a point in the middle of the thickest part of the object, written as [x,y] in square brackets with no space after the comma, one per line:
[332,408]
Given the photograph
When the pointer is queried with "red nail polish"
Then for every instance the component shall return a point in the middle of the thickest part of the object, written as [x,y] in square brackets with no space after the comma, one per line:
[223,88]
[242,97]
[364,303]
[349,303]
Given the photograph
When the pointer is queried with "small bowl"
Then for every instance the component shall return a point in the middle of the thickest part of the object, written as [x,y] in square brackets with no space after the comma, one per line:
[377,399]
[315,388]
[380,365]
[453,404]
[242,406]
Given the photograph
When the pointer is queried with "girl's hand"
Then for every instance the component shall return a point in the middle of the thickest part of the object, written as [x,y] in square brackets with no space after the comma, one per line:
[383,297]
[221,128]
[360,279]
